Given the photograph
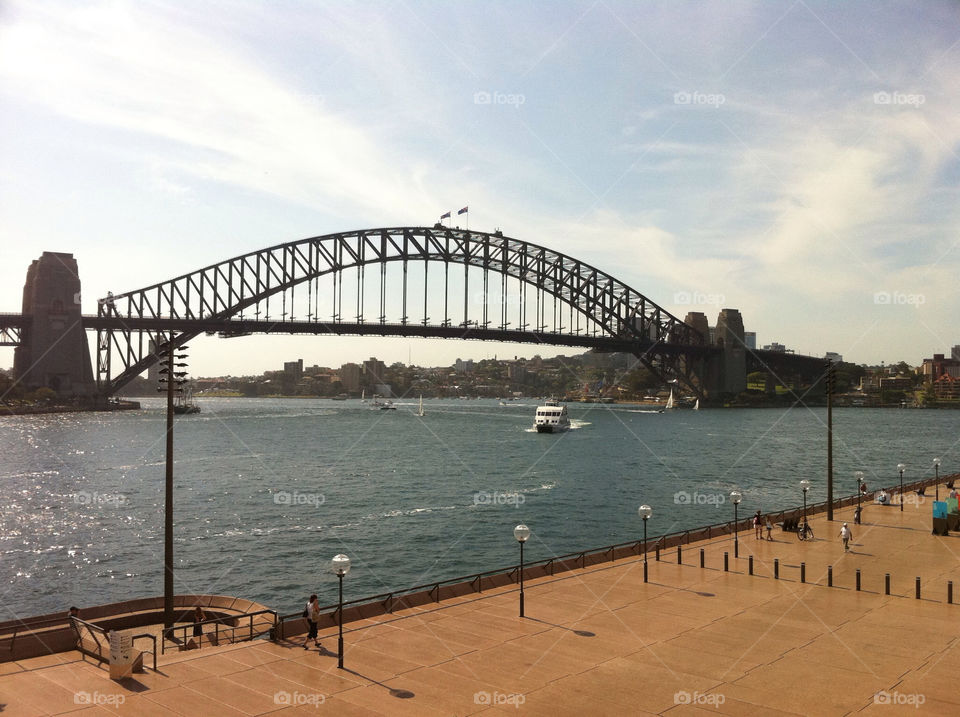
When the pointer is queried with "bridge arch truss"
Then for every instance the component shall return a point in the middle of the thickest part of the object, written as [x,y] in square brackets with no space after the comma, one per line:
[487,286]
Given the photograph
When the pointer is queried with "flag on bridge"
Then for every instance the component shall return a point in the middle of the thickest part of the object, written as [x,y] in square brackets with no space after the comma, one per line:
[463,211]
[444,216]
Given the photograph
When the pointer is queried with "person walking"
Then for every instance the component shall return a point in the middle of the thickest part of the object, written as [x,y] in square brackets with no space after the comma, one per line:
[757,525]
[312,613]
[846,536]
[769,528]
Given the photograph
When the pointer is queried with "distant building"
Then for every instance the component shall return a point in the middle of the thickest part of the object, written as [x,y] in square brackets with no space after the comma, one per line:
[750,339]
[833,357]
[293,369]
[373,371]
[350,377]
[955,352]
[779,348]
[938,366]
[946,386]
[896,383]
[463,366]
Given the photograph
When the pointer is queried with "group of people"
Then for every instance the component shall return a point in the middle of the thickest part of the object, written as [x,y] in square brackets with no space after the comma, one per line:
[759,523]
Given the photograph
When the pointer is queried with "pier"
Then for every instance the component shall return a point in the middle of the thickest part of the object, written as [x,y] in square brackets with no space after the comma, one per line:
[788,627]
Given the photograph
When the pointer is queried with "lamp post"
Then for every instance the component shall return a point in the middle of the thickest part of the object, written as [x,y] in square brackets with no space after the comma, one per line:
[859,476]
[804,486]
[521,533]
[936,467]
[736,496]
[644,511]
[341,566]
[901,467]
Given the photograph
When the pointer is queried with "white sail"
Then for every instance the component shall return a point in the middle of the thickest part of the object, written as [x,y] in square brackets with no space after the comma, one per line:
[420,407]
[696,406]
[670,400]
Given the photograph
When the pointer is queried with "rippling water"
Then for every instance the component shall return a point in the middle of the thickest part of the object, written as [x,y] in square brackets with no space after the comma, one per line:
[267,491]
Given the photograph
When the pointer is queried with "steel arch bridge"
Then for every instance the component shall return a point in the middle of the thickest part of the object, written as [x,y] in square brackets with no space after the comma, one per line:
[507,290]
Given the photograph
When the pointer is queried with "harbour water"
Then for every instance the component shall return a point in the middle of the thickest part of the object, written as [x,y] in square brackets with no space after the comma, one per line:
[268,490]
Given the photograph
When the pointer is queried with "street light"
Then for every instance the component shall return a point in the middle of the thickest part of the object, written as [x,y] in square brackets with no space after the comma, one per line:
[736,496]
[645,511]
[521,533]
[341,566]
[804,486]
[936,467]
[859,476]
[900,467]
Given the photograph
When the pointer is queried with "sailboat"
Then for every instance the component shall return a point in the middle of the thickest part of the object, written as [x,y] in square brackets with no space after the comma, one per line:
[696,405]
[363,395]
[420,407]
[670,400]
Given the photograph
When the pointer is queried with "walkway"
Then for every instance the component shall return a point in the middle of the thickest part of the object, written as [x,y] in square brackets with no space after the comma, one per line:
[598,641]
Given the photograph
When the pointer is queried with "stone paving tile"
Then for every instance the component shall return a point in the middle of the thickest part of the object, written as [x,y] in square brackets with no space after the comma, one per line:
[184,701]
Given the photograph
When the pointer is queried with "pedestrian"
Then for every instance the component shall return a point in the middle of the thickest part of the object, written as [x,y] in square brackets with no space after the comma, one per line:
[846,536]
[197,618]
[312,613]
[856,515]
[769,528]
[757,526]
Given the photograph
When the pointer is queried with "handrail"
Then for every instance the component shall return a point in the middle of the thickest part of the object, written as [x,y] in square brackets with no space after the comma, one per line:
[154,651]
[169,632]
[580,555]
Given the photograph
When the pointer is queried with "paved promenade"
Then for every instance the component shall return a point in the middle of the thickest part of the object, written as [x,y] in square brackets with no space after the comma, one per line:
[692,641]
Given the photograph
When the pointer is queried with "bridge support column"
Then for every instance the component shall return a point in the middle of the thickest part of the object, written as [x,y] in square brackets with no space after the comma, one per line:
[53,351]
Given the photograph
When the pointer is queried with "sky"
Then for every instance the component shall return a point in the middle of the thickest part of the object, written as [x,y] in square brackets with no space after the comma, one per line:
[797,161]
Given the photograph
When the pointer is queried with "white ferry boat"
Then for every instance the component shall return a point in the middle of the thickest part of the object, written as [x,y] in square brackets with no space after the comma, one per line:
[551,417]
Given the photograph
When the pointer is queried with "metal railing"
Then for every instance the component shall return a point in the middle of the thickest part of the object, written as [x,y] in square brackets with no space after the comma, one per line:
[389,600]
[225,628]
[153,639]
[32,626]
[82,629]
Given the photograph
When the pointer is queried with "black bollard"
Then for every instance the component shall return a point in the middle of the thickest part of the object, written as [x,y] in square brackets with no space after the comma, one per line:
[750,563]
[679,555]
[949,592]
[858,579]
[726,561]
[918,587]
[644,571]
[829,576]
[803,572]
[886,584]
[701,557]
[776,568]
[658,552]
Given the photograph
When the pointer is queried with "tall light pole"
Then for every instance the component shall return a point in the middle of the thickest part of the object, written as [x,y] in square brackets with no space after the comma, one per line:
[644,511]
[736,496]
[936,467]
[341,566]
[831,386]
[804,486]
[521,533]
[901,467]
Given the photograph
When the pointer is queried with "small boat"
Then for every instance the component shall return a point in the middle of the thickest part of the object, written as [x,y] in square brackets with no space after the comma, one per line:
[379,405]
[420,407]
[184,403]
[551,417]
[696,405]
[670,400]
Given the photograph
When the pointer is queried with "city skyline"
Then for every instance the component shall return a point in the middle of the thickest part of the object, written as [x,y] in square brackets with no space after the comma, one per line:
[797,162]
